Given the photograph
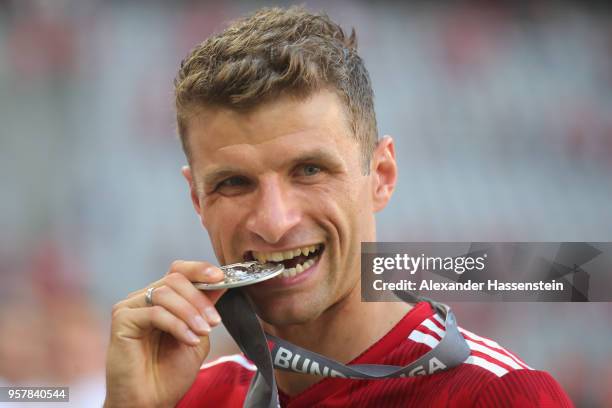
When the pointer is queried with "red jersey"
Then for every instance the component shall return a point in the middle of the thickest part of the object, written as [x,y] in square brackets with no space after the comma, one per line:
[490,377]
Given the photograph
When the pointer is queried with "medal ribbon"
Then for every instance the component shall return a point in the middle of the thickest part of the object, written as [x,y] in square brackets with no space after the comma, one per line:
[243,325]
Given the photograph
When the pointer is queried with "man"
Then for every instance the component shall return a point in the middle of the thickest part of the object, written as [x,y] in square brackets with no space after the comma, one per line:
[277,121]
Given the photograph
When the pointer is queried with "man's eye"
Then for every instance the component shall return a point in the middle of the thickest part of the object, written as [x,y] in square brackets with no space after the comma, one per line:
[233,182]
[310,170]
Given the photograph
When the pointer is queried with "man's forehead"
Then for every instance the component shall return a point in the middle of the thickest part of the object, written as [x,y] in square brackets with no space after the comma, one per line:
[287,118]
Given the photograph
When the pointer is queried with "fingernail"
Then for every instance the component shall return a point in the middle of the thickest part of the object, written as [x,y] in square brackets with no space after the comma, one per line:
[201,324]
[212,315]
[192,337]
[210,272]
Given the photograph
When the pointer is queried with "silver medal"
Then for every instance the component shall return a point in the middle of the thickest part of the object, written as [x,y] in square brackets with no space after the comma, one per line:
[243,274]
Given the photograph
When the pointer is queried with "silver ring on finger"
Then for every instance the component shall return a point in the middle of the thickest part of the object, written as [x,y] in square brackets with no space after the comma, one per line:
[149,296]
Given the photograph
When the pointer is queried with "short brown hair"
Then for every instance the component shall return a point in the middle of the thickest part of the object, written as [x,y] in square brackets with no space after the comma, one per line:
[272,52]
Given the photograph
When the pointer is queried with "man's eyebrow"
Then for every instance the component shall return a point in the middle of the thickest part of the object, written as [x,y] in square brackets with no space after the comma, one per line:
[316,156]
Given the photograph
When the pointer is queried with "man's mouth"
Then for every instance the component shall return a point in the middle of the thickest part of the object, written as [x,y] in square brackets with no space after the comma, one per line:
[295,260]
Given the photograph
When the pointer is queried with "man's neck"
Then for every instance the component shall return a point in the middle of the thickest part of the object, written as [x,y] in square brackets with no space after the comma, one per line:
[342,333]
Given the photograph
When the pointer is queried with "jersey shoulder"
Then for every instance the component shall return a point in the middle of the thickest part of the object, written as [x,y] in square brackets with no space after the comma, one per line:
[222,382]
[491,359]
[494,375]
[526,388]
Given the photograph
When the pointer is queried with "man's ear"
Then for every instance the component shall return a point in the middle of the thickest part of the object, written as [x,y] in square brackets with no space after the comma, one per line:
[384,172]
[186,170]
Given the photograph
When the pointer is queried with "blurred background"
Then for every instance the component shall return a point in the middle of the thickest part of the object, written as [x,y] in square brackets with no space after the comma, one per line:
[501,111]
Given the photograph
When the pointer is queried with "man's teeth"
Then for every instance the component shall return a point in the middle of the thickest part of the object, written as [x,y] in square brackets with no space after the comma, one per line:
[288,273]
[264,257]
[280,256]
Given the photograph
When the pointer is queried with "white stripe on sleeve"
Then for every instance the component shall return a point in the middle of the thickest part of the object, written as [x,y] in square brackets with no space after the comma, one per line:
[423,338]
[433,327]
[481,362]
[233,358]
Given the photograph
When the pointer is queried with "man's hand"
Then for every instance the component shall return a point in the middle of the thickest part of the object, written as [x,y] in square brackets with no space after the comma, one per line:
[155,352]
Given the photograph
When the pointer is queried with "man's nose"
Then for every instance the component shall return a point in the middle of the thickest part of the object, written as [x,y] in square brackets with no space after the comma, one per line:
[274,213]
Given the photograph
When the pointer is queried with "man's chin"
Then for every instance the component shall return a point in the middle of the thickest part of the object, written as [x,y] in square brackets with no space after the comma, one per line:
[277,315]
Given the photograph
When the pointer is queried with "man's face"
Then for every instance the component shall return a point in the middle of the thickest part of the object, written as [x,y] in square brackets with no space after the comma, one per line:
[284,183]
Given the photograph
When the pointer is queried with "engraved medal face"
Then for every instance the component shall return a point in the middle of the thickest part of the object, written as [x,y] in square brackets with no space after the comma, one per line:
[243,274]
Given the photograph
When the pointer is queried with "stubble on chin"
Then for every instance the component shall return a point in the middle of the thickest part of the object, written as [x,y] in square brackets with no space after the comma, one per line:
[285,312]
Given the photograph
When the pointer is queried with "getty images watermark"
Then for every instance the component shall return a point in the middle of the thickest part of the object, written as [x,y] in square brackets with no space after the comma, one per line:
[572,271]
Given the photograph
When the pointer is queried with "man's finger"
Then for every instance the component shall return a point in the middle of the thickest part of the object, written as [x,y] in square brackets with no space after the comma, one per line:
[134,323]
[197,271]
[180,307]
[199,299]
[203,301]
[194,271]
